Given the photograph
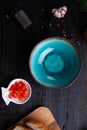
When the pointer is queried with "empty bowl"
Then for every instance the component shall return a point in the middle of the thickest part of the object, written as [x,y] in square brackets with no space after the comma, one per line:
[54,62]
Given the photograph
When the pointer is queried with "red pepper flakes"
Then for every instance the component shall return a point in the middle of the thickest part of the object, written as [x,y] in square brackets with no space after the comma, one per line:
[19,90]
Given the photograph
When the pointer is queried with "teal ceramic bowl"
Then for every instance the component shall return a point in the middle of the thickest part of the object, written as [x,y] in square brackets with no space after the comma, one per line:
[54,63]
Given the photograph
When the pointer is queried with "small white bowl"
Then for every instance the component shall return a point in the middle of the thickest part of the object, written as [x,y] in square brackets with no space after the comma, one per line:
[6,92]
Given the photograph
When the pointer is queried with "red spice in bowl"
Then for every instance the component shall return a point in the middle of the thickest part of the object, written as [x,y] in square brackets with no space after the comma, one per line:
[19,90]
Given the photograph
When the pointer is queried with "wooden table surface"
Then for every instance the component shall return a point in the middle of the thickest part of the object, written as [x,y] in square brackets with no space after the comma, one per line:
[68,105]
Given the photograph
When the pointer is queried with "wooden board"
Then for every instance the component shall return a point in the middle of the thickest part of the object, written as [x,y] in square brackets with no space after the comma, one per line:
[41,114]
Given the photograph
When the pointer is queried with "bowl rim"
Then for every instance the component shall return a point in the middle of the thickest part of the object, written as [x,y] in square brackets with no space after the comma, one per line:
[69,43]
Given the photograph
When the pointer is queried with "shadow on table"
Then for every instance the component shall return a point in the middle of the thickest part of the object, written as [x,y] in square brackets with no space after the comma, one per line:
[84,128]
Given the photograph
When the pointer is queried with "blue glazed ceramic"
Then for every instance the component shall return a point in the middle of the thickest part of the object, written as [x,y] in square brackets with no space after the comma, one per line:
[54,63]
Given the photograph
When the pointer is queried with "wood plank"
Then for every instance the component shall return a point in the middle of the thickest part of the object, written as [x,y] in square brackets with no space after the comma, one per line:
[41,114]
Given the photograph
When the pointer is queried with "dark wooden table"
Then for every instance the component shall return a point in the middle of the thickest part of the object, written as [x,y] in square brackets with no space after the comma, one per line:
[69,105]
